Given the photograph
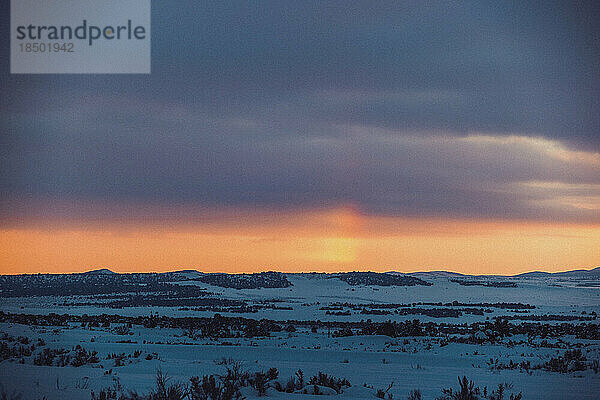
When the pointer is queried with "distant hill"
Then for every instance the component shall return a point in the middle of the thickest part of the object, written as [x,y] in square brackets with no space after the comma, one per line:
[106,281]
[103,271]
[576,273]
[439,274]
[534,274]
[579,273]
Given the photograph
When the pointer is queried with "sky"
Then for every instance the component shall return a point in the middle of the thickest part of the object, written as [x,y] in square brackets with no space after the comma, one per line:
[315,136]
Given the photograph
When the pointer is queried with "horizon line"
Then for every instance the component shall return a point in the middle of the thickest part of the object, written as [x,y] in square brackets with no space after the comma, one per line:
[306,272]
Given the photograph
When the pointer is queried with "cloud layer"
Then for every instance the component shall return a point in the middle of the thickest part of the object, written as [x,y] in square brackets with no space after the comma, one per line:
[477,110]
[147,153]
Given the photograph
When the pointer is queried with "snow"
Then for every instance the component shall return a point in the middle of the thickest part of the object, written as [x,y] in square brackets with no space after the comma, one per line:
[368,362]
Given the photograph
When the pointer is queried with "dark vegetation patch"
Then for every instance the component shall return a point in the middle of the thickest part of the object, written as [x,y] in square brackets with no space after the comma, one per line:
[18,348]
[359,306]
[164,300]
[99,284]
[570,361]
[259,280]
[76,357]
[429,312]
[440,310]
[93,284]
[220,326]
[550,317]
[242,308]
[491,283]
[379,279]
[226,386]
[501,305]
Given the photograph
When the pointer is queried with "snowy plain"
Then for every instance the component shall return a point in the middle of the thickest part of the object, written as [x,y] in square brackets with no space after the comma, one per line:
[368,362]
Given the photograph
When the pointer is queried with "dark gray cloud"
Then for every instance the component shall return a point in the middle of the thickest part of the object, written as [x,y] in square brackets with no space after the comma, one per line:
[451,109]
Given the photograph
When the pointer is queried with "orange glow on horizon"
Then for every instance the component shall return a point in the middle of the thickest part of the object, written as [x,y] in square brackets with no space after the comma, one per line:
[339,239]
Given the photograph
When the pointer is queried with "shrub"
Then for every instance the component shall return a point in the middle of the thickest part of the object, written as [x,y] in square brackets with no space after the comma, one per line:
[211,389]
[571,360]
[122,330]
[4,395]
[383,394]
[162,391]
[336,384]
[46,357]
[236,373]
[166,391]
[498,394]
[119,359]
[260,380]
[295,382]
[345,332]
[82,357]
[595,366]
[226,387]
[415,395]
[466,391]
[105,394]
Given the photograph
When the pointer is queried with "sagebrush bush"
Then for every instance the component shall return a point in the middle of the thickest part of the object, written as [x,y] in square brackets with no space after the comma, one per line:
[468,391]
[329,381]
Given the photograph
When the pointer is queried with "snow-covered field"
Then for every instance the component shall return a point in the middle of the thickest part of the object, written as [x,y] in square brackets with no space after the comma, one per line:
[427,362]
